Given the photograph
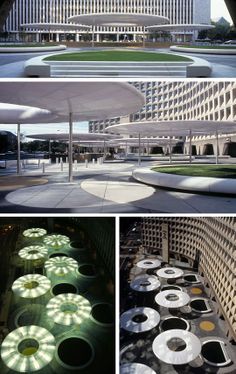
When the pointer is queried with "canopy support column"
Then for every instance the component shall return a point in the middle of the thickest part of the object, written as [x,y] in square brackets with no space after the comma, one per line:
[217,147]
[70,150]
[190,146]
[170,146]
[104,149]
[49,149]
[18,150]
[143,36]
[93,36]
[139,149]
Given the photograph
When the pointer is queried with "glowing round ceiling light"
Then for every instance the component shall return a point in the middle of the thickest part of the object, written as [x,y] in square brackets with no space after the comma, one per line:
[28,349]
[31,286]
[61,265]
[56,241]
[68,309]
[34,233]
[33,252]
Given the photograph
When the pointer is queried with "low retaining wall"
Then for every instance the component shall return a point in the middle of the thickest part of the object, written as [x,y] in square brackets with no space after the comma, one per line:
[185,183]
[32,49]
[216,51]
[37,67]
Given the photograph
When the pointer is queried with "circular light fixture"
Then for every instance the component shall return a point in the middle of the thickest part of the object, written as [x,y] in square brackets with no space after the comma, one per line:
[136,368]
[56,240]
[165,347]
[31,286]
[61,265]
[68,309]
[34,233]
[139,319]
[145,283]
[149,263]
[170,273]
[28,349]
[33,252]
[172,299]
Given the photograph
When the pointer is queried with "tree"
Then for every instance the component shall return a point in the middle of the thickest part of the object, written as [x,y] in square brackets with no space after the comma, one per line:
[5,7]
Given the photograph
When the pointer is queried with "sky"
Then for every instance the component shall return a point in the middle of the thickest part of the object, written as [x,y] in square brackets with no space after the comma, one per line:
[219,9]
[44,128]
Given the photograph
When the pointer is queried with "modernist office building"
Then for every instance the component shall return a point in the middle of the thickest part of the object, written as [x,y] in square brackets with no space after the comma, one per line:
[206,243]
[58,11]
[173,101]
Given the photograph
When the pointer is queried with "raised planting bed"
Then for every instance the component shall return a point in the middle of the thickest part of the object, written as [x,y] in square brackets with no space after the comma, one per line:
[214,353]
[217,50]
[214,171]
[119,56]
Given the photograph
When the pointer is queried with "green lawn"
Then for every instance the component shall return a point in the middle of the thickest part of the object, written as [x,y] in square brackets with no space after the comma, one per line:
[215,171]
[208,46]
[116,56]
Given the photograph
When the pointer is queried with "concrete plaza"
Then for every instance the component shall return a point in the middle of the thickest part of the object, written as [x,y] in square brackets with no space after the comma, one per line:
[98,188]
[12,64]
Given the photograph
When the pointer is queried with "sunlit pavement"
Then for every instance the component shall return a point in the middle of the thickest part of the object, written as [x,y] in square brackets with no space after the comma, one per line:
[107,188]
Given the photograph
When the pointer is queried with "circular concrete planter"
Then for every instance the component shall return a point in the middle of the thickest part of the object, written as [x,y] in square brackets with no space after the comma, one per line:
[102,314]
[216,51]
[74,353]
[185,183]
[171,323]
[61,288]
[32,49]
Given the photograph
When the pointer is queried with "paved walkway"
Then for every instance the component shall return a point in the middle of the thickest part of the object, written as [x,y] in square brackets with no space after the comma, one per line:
[107,188]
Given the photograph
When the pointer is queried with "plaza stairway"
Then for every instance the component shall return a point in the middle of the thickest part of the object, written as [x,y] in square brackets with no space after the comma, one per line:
[72,69]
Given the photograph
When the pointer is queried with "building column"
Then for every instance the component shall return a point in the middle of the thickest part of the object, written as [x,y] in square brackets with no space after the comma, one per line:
[77,37]
[98,38]
[134,37]
[57,37]
[117,37]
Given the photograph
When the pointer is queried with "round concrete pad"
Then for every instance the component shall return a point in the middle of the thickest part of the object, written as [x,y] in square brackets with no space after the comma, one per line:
[54,26]
[118,19]
[8,183]
[171,128]
[86,100]
[136,368]
[164,353]
[180,27]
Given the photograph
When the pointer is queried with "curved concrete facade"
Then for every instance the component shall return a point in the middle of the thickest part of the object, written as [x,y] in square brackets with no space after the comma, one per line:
[207,243]
[193,100]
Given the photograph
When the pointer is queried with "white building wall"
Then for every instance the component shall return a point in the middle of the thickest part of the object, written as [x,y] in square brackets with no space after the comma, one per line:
[178,11]
[202,11]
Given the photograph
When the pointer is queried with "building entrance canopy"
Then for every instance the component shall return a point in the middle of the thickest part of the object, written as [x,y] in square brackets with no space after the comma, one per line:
[119,19]
[77,137]
[172,128]
[180,27]
[55,26]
